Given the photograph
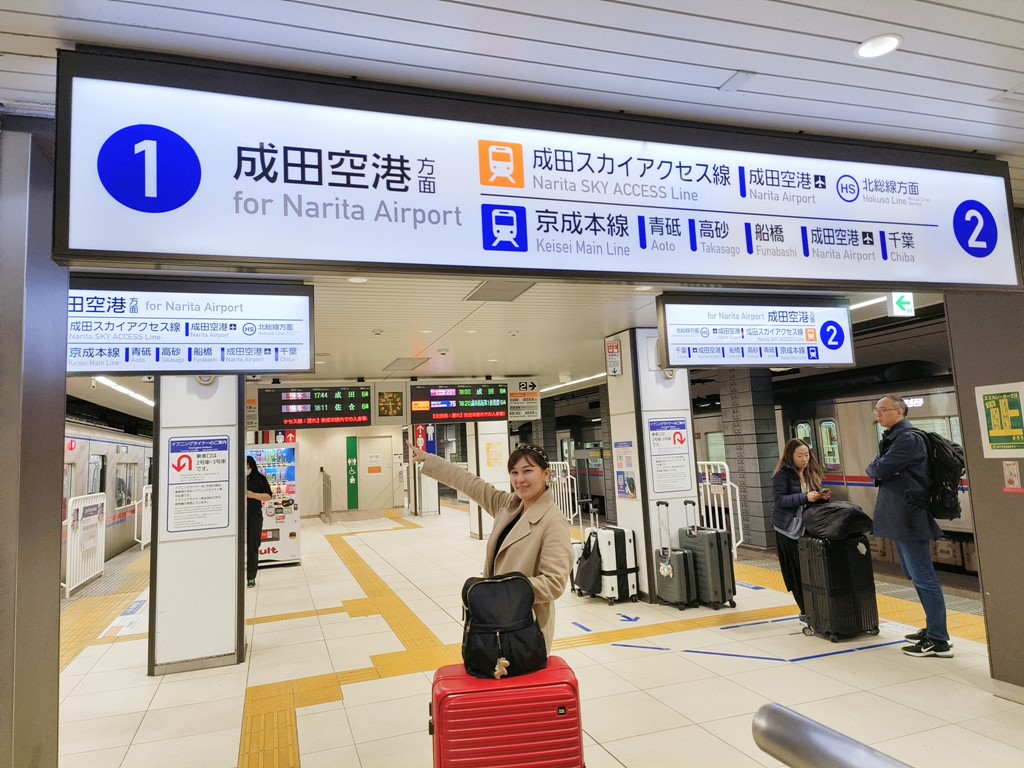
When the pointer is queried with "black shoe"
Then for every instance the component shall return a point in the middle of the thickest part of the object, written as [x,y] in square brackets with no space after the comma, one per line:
[929,647]
[917,637]
[251,583]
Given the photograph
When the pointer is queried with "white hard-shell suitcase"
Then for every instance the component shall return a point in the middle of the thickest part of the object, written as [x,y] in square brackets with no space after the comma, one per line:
[618,564]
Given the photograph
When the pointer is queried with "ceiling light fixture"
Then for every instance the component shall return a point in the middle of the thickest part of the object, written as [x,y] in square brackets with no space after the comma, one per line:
[124,390]
[867,303]
[643,288]
[879,45]
[358,279]
[577,381]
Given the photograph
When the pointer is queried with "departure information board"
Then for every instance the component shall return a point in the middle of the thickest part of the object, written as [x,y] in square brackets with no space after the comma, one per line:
[314,407]
[486,401]
[753,332]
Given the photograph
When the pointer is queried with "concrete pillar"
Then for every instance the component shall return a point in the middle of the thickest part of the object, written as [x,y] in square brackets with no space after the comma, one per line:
[33,338]
[751,447]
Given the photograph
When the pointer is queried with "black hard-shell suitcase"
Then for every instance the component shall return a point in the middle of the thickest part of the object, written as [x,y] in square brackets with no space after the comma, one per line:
[712,554]
[839,587]
[677,579]
[618,564]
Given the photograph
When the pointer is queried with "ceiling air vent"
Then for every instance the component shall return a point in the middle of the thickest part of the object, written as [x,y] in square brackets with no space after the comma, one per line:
[499,290]
[1014,96]
[405,363]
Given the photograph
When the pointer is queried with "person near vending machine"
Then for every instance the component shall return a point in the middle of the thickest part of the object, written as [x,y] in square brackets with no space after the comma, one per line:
[796,483]
[257,491]
[901,471]
[530,534]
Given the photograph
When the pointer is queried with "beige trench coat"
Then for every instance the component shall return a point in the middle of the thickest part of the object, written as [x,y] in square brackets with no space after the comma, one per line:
[538,546]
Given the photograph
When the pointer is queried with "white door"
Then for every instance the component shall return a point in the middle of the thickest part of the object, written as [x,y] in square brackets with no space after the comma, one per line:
[376,481]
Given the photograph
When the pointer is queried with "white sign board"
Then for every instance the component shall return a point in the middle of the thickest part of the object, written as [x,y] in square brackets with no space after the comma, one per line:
[670,455]
[900,304]
[162,170]
[523,400]
[146,331]
[197,484]
[755,334]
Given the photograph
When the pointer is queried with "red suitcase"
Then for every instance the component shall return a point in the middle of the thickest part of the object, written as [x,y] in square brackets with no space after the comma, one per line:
[531,720]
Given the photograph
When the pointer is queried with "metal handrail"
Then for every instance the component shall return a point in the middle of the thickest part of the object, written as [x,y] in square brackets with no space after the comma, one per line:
[719,500]
[800,742]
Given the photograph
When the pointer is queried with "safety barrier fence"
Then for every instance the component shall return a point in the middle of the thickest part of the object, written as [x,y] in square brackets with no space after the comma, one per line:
[800,742]
[144,517]
[565,491]
[719,500]
[86,539]
[326,502]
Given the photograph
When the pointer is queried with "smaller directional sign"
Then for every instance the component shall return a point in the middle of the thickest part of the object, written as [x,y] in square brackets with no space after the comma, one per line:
[900,304]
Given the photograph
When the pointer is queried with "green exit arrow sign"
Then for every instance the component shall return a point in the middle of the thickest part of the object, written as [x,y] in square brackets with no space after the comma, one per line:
[901,305]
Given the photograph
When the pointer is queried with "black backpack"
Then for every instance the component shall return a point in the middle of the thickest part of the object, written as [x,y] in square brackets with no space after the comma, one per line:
[501,636]
[946,466]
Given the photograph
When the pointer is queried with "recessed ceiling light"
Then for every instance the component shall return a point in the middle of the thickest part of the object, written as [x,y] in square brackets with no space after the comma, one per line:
[426,331]
[358,279]
[879,45]
[469,331]
[492,359]
[320,362]
[643,288]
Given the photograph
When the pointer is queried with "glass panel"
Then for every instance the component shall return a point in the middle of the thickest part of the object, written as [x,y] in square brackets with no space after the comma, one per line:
[97,472]
[69,485]
[715,446]
[828,431]
[954,430]
[124,485]
[802,429]
[148,471]
[939,425]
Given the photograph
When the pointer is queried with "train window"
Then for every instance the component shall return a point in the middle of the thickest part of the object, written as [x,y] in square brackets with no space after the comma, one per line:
[715,444]
[69,489]
[939,425]
[802,430]
[954,430]
[97,473]
[148,471]
[124,484]
[828,431]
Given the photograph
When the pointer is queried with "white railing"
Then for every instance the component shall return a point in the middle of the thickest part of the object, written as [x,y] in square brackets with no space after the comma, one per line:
[87,532]
[326,502]
[564,489]
[719,500]
[144,517]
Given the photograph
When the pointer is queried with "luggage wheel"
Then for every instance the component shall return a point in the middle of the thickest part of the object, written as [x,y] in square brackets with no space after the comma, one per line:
[716,606]
[807,631]
[732,603]
[611,601]
[873,631]
[834,638]
[635,598]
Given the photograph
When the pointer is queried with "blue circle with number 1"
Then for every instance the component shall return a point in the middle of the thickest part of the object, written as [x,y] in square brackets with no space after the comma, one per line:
[149,169]
[831,334]
[975,228]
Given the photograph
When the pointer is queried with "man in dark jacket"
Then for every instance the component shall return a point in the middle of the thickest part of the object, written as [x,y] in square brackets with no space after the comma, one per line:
[902,466]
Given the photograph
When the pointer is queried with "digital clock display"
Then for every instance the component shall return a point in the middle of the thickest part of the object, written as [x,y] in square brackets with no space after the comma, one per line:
[313,407]
[486,401]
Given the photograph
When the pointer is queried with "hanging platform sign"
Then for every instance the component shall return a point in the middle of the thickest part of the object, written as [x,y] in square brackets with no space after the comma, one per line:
[752,332]
[193,175]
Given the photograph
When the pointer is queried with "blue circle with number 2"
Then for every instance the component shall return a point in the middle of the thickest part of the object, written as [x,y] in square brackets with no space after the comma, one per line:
[148,168]
[975,228]
[831,334]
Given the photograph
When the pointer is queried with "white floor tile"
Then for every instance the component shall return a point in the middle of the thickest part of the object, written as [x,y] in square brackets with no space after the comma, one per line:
[324,730]
[98,733]
[679,747]
[412,750]
[389,688]
[176,693]
[384,720]
[346,757]
[89,706]
[736,732]
[210,750]
[134,677]
[946,699]
[713,698]
[628,714]
[867,717]
[1006,726]
[101,758]
[791,684]
[190,720]
[664,668]
[951,747]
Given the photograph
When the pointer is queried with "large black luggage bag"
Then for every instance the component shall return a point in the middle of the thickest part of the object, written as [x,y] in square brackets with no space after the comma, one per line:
[712,557]
[839,587]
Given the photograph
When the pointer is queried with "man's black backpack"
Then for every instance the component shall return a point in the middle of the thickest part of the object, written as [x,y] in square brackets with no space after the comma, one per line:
[946,467]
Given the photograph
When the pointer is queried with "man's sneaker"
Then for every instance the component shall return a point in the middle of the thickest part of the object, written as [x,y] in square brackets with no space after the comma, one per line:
[920,635]
[929,647]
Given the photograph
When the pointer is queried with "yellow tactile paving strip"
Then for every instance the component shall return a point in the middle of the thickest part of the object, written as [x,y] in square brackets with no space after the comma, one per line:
[269,727]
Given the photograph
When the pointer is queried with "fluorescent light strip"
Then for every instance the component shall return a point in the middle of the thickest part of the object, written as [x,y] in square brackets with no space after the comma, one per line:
[124,390]
[879,300]
[578,381]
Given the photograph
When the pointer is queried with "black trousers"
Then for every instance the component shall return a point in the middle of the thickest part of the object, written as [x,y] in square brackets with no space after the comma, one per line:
[789,561]
[253,537]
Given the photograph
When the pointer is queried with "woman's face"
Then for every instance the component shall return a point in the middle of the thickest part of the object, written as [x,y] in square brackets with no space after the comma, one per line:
[801,457]
[528,480]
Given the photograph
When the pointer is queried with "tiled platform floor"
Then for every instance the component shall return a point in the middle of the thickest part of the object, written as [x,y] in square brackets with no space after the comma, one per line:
[342,649]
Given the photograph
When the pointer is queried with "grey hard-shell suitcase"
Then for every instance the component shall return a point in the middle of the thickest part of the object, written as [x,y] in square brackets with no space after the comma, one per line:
[677,580]
[839,586]
[712,551]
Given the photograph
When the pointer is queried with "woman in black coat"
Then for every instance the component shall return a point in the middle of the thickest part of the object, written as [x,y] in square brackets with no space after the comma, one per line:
[257,491]
[796,483]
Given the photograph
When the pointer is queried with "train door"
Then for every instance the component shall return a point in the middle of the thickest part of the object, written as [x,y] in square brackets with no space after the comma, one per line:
[97,473]
[828,449]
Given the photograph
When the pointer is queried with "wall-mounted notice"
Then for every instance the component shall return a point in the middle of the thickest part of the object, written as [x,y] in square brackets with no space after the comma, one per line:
[670,455]
[523,400]
[625,472]
[168,170]
[753,332]
[198,484]
[180,328]
[1001,416]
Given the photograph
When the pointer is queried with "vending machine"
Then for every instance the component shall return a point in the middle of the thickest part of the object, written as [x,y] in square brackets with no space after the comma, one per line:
[280,543]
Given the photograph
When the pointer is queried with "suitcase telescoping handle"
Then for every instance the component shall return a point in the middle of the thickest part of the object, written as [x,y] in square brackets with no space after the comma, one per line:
[589,506]
[663,508]
[690,517]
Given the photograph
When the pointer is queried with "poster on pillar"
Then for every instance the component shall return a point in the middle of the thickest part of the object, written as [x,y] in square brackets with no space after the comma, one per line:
[669,447]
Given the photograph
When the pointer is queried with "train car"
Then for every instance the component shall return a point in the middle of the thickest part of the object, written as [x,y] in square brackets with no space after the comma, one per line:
[101,460]
[835,417]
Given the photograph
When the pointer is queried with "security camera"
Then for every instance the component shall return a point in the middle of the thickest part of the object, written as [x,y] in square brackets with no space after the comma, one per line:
[442,352]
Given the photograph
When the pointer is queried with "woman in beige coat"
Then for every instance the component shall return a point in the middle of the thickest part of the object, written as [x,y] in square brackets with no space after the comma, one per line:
[530,533]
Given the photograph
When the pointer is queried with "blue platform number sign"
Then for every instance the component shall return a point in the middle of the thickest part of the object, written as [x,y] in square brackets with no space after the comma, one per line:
[831,334]
[975,228]
[149,169]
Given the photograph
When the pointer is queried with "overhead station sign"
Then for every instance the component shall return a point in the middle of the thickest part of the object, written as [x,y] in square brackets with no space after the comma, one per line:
[152,327]
[479,401]
[177,172]
[753,333]
[344,406]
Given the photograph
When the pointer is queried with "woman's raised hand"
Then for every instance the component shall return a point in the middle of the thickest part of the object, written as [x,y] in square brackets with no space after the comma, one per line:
[416,455]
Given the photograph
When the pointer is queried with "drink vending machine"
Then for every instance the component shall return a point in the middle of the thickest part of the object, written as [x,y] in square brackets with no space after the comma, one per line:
[280,543]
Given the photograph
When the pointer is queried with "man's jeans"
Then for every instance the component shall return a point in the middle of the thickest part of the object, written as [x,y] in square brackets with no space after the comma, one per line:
[916,561]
